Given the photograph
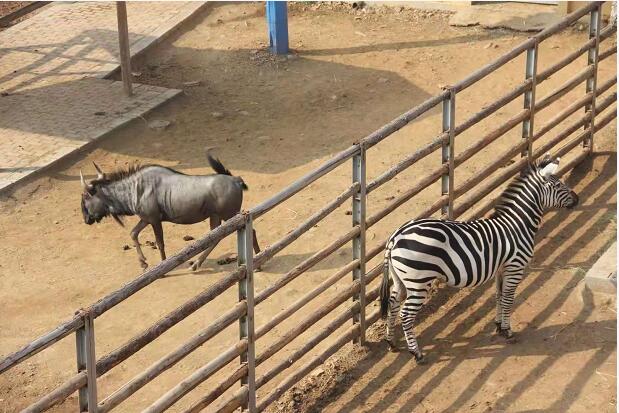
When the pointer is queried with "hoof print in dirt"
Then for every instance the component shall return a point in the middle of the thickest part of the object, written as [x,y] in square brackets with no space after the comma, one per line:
[188,238]
[126,247]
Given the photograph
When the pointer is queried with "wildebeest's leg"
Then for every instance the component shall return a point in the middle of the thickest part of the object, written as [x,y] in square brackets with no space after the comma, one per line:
[215,222]
[256,246]
[416,296]
[511,279]
[158,230]
[498,295]
[135,232]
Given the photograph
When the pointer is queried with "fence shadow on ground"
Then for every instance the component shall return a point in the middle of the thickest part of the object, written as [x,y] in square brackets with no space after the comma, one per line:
[470,347]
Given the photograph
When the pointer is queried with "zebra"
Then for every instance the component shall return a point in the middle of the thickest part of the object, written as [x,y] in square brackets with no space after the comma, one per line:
[465,254]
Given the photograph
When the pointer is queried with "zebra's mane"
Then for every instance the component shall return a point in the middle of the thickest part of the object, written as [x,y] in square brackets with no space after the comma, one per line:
[525,173]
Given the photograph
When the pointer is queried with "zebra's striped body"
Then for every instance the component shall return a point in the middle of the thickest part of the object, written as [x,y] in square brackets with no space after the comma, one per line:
[464,254]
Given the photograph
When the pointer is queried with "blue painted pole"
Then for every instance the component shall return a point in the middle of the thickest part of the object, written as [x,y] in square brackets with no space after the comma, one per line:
[277,18]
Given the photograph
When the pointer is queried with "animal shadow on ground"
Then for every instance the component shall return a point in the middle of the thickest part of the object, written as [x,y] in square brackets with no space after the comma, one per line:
[570,222]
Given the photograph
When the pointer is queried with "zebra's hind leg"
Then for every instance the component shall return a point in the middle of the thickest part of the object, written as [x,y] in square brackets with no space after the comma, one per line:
[415,299]
[394,307]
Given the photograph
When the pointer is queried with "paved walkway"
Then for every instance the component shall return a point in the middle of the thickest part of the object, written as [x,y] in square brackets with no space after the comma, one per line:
[54,98]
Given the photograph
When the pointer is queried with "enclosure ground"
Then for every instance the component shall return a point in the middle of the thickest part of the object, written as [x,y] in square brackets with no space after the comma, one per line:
[271,120]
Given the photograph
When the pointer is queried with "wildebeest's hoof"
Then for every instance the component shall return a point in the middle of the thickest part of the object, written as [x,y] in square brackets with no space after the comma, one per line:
[143,264]
[259,269]
[420,359]
[195,266]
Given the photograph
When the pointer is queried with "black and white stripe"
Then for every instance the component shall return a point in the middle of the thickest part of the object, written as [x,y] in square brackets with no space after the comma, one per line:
[464,254]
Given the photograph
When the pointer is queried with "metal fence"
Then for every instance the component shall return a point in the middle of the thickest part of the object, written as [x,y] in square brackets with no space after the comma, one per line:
[473,190]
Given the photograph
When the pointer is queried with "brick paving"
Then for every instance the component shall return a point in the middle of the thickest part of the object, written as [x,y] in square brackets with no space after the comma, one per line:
[54,97]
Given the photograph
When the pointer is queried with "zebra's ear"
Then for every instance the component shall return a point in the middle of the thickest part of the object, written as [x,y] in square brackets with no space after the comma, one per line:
[551,168]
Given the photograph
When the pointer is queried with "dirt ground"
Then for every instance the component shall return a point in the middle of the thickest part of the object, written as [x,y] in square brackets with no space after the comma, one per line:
[271,120]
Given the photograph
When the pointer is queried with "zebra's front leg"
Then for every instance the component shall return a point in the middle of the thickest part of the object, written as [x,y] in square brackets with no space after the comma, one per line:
[499,293]
[408,314]
[511,280]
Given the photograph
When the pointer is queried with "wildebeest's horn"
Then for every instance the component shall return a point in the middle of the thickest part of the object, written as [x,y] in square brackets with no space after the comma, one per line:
[84,184]
[99,171]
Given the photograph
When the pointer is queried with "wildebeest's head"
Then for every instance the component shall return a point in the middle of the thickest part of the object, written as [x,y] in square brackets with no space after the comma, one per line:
[94,207]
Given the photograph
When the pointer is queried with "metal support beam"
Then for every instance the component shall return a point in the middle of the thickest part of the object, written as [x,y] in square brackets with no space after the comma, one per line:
[123,43]
[447,153]
[529,101]
[277,18]
[86,360]
[358,242]
[592,60]
[246,292]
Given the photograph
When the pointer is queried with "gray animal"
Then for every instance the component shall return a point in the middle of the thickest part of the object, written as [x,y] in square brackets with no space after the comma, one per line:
[157,194]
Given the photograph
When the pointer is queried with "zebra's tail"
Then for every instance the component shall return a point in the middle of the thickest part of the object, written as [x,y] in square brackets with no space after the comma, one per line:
[384,286]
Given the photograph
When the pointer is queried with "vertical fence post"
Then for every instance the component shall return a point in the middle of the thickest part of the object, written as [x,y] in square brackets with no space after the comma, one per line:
[592,60]
[246,323]
[529,100]
[358,242]
[447,153]
[86,360]
[123,44]
[277,19]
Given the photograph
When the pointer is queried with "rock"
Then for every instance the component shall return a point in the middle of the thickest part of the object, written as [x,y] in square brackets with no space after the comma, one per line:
[333,97]
[383,80]
[100,113]
[217,115]
[389,198]
[348,212]
[243,112]
[488,46]
[126,247]
[318,372]
[292,56]
[188,238]
[159,124]
[192,83]
[262,138]
[56,222]
[581,27]
[136,74]
[255,51]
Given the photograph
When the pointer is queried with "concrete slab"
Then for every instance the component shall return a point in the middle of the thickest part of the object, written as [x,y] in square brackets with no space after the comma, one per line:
[54,97]
[520,17]
[602,277]
[35,134]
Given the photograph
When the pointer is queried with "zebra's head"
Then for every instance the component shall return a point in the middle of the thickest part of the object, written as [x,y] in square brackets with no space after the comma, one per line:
[554,193]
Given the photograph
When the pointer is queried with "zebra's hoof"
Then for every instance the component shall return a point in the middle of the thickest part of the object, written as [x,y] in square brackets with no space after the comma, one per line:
[498,327]
[392,347]
[420,359]
[507,334]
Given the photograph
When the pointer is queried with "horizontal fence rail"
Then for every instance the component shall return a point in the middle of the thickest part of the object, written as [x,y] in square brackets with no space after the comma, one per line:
[469,198]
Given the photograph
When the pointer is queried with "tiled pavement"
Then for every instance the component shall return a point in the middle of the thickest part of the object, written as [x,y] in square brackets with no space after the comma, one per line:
[54,97]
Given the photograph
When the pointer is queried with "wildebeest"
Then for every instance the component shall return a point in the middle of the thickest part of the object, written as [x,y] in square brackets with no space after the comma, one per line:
[157,194]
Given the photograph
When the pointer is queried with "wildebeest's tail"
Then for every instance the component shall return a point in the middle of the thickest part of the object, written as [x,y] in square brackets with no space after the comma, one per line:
[384,286]
[219,168]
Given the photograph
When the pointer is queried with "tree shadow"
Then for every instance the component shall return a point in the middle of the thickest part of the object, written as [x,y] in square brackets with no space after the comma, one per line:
[450,347]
